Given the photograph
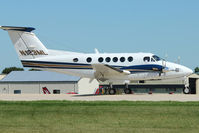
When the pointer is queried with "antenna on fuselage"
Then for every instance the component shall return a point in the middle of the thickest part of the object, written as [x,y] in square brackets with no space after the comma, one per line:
[96,51]
[163,65]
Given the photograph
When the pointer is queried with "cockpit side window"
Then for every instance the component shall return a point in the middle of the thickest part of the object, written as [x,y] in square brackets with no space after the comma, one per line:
[152,60]
[156,57]
[146,59]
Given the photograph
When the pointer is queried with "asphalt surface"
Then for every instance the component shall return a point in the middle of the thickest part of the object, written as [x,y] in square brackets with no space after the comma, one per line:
[71,97]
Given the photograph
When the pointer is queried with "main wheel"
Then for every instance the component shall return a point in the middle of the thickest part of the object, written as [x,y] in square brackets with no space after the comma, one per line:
[127,91]
[186,90]
[106,90]
[112,91]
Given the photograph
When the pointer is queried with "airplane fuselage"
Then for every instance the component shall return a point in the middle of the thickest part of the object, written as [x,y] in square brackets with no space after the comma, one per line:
[142,66]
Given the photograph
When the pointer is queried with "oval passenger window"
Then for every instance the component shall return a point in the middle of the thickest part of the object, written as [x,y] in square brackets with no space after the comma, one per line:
[75,60]
[100,59]
[89,59]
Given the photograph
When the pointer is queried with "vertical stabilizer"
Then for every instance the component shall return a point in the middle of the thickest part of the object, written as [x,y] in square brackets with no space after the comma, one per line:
[27,45]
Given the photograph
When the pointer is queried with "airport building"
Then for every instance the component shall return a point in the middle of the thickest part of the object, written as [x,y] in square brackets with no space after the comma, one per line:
[161,86]
[43,82]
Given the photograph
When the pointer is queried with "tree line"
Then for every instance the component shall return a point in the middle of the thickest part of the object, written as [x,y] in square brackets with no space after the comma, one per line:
[196,70]
[10,69]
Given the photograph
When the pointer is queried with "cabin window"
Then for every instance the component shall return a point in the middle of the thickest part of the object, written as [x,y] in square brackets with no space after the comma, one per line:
[146,59]
[108,59]
[89,59]
[115,59]
[130,59]
[122,59]
[101,59]
[75,60]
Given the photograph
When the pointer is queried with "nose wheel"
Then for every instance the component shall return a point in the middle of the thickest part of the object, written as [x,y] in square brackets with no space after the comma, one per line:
[186,90]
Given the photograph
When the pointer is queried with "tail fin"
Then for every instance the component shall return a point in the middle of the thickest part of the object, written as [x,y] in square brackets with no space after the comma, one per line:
[27,45]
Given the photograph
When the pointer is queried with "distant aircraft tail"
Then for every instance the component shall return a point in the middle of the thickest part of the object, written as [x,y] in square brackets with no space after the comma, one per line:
[27,45]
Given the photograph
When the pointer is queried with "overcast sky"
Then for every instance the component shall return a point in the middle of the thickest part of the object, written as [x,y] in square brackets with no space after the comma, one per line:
[163,27]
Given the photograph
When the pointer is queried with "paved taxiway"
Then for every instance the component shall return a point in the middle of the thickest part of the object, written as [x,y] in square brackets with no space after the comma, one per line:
[131,97]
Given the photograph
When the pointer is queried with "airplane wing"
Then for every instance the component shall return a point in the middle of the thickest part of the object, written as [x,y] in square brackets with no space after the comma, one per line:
[103,71]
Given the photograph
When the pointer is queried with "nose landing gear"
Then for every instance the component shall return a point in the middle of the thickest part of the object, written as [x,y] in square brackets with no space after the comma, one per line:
[186,90]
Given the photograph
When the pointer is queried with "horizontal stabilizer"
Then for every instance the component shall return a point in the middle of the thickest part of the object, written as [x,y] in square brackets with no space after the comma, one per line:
[26,29]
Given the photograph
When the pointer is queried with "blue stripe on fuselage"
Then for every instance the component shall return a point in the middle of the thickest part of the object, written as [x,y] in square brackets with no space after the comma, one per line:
[132,69]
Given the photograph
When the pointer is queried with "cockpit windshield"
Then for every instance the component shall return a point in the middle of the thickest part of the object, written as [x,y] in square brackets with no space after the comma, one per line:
[156,58]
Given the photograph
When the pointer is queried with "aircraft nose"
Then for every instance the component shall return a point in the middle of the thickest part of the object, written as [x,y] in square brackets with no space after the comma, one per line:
[179,70]
[187,71]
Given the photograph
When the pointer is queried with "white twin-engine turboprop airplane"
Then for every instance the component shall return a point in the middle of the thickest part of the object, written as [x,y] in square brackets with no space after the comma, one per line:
[111,67]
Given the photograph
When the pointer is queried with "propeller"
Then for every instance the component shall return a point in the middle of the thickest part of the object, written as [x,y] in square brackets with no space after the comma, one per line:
[163,69]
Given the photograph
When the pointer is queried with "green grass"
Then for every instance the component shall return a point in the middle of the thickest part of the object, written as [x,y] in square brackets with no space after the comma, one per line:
[99,117]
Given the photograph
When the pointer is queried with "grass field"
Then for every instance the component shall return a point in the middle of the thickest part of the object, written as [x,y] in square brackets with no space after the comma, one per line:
[99,117]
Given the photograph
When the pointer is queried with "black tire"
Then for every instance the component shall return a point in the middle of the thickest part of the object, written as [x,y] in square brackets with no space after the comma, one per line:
[112,91]
[186,90]
[127,91]
[106,91]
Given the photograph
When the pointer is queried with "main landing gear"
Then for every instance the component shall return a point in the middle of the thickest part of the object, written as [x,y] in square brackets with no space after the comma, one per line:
[127,90]
[113,91]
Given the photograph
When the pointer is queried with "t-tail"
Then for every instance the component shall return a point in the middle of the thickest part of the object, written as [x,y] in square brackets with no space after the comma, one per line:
[27,45]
